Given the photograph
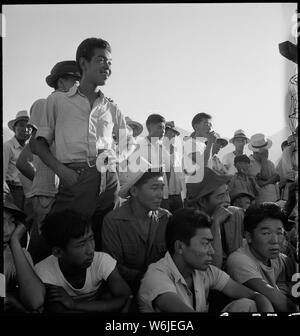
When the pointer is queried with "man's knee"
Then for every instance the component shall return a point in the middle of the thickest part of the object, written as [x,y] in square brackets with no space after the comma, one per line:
[241,306]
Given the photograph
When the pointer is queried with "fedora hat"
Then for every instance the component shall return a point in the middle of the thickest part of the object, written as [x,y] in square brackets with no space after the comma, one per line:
[21,115]
[210,182]
[131,177]
[62,69]
[259,141]
[222,141]
[239,134]
[235,193]
[136,124]
[171,126]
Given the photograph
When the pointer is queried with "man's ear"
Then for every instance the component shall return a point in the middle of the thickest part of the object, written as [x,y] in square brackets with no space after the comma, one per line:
[248,237]
[179,246]
[57,251]
[82,63]
[133,191]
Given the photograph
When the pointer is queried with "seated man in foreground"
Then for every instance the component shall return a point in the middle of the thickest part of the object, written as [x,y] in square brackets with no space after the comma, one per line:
[180,282]
[259,265]
[74,274]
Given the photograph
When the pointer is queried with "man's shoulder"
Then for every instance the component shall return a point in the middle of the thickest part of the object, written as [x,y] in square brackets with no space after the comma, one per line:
[46,264]
[164,213]
[8,143]
[238,255]
[122,213]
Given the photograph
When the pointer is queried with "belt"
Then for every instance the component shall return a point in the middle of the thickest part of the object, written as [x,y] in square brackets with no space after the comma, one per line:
[83,164]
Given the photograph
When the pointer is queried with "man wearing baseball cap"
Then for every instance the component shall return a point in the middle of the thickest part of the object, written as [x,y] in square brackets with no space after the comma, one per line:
[242,180]
[11,151]
[239,140]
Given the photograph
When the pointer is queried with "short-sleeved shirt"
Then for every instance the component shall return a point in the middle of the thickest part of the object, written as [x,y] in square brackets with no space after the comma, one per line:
[103,264]
[79,130]
[164,277]
[11,151]
[242,266]
[45,182]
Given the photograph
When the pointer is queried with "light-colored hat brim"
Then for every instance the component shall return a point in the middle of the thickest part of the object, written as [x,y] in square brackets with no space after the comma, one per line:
[239,136]
[173,129]
[136,124]
[267,146]
[12,123]
[124,190]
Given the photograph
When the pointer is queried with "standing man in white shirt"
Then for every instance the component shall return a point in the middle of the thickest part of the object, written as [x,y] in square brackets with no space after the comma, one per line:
[11,151]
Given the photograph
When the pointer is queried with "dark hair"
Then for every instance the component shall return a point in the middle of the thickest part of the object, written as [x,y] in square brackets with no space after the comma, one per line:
[87,47]
[59,227]
[155,119]
[182,226]
[148,175]
[255,214]
[241,158]
[198,118]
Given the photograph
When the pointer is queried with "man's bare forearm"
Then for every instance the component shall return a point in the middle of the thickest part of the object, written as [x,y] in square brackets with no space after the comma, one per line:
[41,148]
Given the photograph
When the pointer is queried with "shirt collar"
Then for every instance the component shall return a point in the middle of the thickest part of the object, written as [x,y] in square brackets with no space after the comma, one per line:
[175,271]
[16,143]
[75,90]
[125,212]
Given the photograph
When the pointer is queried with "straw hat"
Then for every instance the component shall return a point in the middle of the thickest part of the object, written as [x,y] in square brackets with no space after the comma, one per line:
[136,124]
[239,134]
[171,126]
[131,177]
[21,115]
[259,141]
[210,182]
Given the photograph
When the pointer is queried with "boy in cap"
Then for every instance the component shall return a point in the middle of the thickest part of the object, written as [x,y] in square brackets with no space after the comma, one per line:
[82,122]
[211,195]
[263,169]
[182,280]
[11,151]
[239,140]
[242,180]
[24,290]
[44,186]
[134,233]
[241,198]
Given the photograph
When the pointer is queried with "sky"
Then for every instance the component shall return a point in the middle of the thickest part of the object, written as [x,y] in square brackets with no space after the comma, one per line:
[172,59]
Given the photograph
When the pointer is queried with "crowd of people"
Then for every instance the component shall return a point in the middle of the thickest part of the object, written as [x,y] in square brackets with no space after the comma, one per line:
[98,218]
